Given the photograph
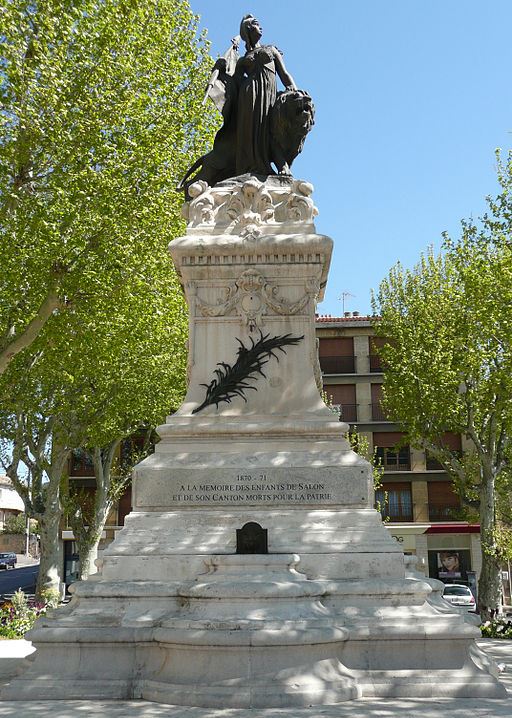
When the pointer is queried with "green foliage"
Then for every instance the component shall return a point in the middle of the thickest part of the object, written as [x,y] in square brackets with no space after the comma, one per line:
[360,444]
[100,116]
[499,545]
[499,628]
[450,358]
[328,401]
[50,597]
[449,362]
[15,524]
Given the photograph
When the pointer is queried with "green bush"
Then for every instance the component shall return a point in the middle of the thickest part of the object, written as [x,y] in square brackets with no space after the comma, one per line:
[499,628]
[15,524]
[18,615]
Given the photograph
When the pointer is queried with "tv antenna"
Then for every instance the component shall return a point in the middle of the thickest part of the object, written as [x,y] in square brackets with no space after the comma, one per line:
[345,295]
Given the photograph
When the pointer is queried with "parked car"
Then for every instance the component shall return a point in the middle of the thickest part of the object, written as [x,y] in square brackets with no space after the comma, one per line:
[8,559]
[459,595]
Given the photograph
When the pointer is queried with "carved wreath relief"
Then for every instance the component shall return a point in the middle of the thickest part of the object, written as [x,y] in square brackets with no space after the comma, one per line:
[251,296]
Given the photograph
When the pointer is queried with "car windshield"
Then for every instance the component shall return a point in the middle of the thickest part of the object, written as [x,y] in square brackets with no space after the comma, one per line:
[456,591]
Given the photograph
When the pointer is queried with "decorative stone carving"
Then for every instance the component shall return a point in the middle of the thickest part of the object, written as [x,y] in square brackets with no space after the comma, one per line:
[203,202]
[251,296]
[300,207]
[250,208]
[282,306]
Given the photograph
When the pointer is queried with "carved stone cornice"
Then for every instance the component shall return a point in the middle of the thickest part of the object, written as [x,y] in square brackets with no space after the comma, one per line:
[250,207]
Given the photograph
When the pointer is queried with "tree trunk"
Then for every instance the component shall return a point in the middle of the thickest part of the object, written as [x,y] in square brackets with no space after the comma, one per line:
[50,567]
[51,564]
[489,585]
[88,553]
[88,537]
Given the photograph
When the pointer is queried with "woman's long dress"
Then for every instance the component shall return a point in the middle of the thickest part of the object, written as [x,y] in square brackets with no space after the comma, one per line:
[256,96]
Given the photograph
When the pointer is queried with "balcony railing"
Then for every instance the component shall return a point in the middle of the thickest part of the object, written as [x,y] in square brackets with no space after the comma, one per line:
[348,412]
[443,513]
[395,466]
[337,365]
[378,413]
[376,363]
[396,516]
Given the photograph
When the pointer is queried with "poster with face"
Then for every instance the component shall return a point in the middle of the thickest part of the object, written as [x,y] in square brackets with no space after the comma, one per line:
[449,564]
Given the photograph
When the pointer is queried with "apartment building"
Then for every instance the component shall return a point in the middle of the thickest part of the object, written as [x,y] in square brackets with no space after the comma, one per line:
[416,496]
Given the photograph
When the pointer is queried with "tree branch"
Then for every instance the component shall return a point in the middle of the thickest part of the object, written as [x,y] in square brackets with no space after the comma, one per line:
[50,303]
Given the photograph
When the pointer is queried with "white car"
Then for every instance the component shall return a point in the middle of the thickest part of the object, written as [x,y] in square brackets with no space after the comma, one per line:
[458,595]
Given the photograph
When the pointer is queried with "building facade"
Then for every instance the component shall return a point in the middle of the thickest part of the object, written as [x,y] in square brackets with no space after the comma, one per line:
[416,497]
[11,503]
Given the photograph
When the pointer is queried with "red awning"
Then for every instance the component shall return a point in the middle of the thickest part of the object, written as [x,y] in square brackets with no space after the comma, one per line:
[454,529]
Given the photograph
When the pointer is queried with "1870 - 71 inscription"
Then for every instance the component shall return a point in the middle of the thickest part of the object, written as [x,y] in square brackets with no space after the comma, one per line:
[270,487]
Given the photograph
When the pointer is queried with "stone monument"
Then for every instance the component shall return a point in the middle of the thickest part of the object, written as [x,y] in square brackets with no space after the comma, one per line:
[254,570]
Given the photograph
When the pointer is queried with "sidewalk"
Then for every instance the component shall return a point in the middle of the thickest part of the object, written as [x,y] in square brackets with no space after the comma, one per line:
[22,560]
[501,651]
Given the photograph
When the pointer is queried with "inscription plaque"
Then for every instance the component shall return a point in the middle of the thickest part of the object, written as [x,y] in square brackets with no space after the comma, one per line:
[251,538]
[219,488]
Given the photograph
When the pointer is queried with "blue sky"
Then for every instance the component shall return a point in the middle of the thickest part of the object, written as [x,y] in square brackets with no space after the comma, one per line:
[412,97]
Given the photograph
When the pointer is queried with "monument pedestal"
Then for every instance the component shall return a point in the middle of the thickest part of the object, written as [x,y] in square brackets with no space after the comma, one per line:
[189,608]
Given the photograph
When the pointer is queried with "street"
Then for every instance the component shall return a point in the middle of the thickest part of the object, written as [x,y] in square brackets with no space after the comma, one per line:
[11,579]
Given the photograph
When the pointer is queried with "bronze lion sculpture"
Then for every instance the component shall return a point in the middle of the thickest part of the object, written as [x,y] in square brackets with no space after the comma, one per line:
[291,118]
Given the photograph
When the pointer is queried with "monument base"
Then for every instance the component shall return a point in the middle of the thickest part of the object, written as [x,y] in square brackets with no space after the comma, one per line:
[253,630]
[199,600]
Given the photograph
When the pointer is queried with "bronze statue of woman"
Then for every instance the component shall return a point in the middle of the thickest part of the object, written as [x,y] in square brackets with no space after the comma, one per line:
[255,75]
[261,126]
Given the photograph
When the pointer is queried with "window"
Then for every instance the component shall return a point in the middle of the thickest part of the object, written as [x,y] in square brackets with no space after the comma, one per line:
[80,463]
[443,502]
[450,441]
[395,501]
[376,343]
[344,397]
[392,458]
[377,412]
[336,355]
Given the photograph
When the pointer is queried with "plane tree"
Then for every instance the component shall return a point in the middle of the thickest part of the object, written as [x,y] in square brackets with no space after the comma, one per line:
[449,367]
[100,115]
[117,365]
[100,110]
